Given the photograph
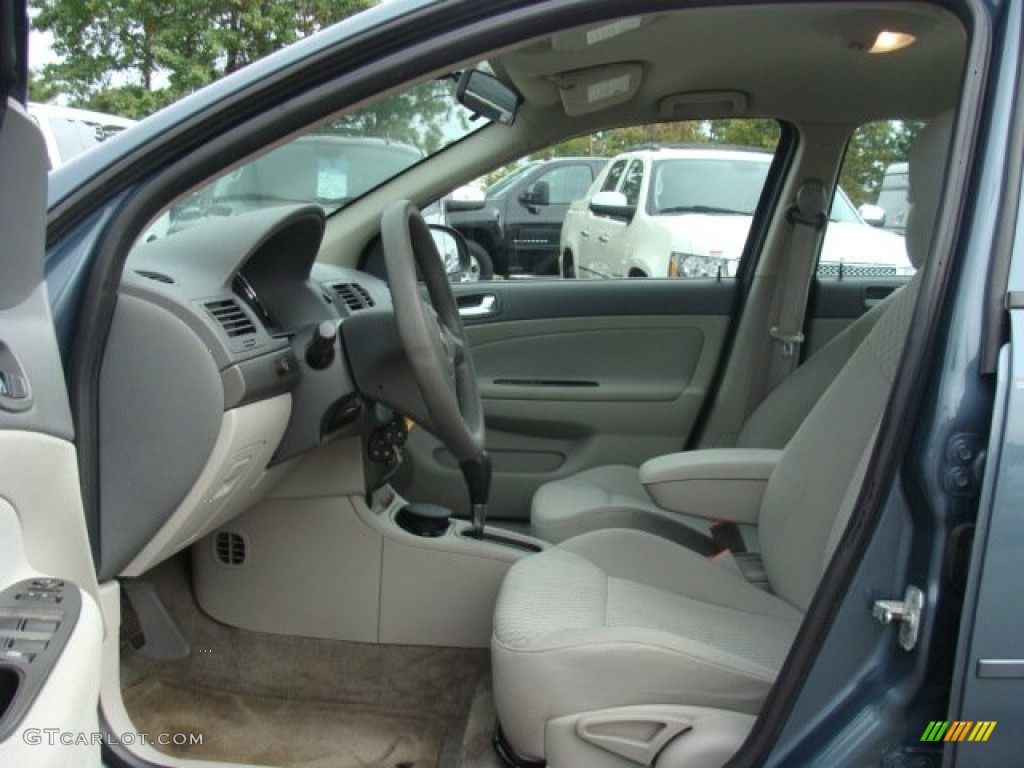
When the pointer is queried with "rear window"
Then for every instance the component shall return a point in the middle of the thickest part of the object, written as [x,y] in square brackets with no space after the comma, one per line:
[864,237]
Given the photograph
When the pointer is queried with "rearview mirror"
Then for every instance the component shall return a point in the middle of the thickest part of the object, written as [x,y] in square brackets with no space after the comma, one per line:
[613,205]
[486,95]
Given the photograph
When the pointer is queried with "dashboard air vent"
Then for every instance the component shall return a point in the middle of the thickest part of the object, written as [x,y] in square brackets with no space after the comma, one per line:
[229,548]
[159,277]
[231,317]
[353,296]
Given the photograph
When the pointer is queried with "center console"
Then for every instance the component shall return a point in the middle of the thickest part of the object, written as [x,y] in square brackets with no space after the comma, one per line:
[319,557]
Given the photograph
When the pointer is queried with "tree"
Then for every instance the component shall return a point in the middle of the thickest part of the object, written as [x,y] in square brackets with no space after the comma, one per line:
[421,116]
[872,149]
[757,133]
[134,56]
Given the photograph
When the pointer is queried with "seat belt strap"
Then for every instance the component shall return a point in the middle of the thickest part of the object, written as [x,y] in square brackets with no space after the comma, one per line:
[808,218]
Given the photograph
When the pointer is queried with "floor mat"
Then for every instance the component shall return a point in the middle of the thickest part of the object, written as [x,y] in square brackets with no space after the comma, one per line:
[284,732]
[432,682]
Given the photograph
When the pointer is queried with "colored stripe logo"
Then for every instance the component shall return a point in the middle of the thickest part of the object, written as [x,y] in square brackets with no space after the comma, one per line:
[959,730]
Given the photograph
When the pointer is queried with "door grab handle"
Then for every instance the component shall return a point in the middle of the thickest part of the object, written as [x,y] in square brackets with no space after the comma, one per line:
[584,234]
[602,238]
[485,307]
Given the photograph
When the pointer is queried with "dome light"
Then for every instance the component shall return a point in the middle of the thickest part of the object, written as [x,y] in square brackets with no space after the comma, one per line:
[889,41]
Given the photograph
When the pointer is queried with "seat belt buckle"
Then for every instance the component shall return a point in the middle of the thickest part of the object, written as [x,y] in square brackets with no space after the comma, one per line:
[790,341]
[727,537]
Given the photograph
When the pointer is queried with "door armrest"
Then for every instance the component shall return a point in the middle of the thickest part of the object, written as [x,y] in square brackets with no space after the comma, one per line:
[720,484]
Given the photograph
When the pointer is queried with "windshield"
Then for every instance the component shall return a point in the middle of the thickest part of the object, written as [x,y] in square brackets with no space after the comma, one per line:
[340,160]
[708,185]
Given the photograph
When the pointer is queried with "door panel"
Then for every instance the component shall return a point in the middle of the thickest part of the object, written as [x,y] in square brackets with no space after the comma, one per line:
[834,304]
[575,374]
[50,626]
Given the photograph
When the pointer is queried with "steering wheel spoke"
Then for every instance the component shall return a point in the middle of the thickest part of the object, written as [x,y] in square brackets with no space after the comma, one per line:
[445,377]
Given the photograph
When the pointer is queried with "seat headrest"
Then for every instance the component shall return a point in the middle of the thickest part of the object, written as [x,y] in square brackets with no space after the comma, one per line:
[927,163]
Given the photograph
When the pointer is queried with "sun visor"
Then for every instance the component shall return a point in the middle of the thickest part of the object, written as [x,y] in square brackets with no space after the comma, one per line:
[590,90]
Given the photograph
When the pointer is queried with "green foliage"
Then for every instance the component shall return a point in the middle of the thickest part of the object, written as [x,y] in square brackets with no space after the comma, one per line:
[759,133]
[871,150]
[419,116]
[116,54]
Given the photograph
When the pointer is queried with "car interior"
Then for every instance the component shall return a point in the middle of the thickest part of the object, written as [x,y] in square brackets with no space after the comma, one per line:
[352,513]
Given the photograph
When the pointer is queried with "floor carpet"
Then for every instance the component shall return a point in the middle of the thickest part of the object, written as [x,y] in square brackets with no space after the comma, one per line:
[284,732]
[420,684]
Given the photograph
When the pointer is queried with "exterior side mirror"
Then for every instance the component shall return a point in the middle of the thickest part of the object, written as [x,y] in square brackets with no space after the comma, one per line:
[539,193]
[453,251]
[872,214]
[613,205]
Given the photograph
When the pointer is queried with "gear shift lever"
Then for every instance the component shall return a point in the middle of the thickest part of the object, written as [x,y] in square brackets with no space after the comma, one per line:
[478,480]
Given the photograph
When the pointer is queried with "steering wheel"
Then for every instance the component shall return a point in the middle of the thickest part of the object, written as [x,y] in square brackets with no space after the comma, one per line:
[431,333]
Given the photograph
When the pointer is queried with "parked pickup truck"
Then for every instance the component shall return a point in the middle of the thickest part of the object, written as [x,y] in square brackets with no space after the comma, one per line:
[519,221]
[668,212]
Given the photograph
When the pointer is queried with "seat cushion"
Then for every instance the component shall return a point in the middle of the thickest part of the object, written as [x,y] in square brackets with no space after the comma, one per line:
[608,497]
[618,617]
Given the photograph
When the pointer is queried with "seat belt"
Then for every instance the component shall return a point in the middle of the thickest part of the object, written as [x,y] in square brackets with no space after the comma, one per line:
[807,218]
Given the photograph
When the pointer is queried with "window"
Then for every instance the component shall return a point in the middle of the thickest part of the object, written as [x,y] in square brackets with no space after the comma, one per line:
[689,192]
[568,183]
[614,174]
[633,182]
[337,161]
[864,238]
[727,185]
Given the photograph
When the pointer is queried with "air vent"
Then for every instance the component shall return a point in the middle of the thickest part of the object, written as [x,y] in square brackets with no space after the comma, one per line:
[353,296]
[231,317]
[229,548]
[159,277]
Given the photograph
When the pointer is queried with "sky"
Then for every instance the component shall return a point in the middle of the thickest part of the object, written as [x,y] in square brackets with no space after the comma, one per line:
[39,49]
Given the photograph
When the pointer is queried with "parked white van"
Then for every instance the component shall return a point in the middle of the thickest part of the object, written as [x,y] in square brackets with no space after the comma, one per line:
[667,212]
[69,131]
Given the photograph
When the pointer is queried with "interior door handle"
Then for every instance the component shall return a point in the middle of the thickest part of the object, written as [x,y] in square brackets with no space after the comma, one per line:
[484,306]
[584,234]
[602,238]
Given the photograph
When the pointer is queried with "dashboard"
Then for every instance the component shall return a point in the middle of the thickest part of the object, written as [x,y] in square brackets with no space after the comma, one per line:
[222,364]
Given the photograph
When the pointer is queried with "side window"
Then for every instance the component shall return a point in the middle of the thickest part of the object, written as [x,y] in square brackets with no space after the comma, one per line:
[611,181]
[632,182]
[869,208]
[568,183]
[693,188]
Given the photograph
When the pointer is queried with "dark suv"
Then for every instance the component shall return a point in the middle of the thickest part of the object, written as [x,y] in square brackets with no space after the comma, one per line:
[519,221]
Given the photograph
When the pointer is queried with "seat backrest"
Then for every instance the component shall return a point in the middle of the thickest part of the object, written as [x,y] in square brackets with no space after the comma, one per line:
[811,493]
[777,418]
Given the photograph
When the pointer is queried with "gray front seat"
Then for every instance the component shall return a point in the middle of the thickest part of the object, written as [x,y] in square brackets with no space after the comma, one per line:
[613,497]
[617,619]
